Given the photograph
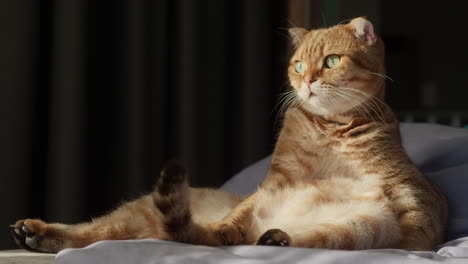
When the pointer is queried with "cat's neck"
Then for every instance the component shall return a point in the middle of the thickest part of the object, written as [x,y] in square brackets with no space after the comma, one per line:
[379,112]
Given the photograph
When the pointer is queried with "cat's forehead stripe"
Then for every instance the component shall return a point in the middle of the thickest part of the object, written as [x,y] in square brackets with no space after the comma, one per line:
[315,46]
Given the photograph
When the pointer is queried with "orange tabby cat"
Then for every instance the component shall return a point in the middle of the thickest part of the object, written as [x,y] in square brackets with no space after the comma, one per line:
[339,177]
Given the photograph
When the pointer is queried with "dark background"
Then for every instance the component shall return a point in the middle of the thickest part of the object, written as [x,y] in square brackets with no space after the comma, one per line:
[96,95]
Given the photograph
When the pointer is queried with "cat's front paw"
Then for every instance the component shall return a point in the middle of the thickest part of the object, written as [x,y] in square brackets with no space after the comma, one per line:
[30,234]
[229,234]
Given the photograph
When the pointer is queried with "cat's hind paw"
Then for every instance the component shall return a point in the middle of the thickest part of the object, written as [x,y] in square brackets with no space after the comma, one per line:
[274,237]
[229,234]
[30,234]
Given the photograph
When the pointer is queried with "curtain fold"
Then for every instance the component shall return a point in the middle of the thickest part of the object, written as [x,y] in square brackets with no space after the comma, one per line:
[64,187]
[96,97]
[256,85]
[17,76]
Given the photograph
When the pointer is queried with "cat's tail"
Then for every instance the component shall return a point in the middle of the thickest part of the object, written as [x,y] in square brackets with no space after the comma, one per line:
[172,197]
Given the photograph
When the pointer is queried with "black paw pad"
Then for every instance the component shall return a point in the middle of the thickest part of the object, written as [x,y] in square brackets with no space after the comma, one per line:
[274,237]
[19,236]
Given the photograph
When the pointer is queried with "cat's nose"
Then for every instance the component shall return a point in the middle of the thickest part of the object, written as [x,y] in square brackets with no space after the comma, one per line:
[310,80]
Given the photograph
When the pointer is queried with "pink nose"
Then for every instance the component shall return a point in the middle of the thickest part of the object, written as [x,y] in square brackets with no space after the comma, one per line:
[309,81]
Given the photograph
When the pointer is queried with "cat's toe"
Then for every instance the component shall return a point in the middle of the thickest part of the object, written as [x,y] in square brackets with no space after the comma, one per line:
[18,228]
[34,226]
[27,231]
[17,237]
[33,241]
[24,237]
[229,234]
[274,237]
[33,235]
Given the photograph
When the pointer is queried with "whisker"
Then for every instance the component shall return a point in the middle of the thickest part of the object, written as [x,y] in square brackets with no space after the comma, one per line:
[291,32]
[344,21]
[373,98]
[362,99]
[347,98]
[366,94]
[286,101]
[368,106]
[372,104]
[287,92]
[290,22]
[323,18]
[282,101]
[297,37]
[383,76]
[360,108]
[287,36]
[365,104]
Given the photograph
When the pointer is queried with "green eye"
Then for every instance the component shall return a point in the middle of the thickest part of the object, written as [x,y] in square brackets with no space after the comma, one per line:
[300,67]
[331,61]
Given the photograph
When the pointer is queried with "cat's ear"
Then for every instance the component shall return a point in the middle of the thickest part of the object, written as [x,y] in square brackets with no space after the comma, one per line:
[297,35]
[363,30]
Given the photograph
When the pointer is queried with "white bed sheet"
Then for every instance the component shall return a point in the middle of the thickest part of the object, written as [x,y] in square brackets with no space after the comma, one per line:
[157,251]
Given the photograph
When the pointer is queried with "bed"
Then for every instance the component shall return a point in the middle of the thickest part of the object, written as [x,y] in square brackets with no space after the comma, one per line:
[441,152]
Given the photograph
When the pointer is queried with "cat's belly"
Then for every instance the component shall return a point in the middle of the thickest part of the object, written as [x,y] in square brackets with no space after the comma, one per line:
[324,200]
[210,205]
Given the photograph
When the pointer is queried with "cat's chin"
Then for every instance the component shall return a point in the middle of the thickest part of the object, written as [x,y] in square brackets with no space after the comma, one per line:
[326,110]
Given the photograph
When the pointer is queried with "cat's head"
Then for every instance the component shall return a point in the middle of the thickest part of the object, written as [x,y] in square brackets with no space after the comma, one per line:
[335,70]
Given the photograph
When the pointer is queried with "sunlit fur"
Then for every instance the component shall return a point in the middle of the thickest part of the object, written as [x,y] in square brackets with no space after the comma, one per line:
[356,82]
[339,177]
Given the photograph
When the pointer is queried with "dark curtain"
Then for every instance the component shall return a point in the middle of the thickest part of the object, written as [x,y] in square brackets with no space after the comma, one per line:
[96,95]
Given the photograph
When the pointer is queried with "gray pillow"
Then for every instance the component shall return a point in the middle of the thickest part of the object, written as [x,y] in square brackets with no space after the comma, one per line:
[441,152]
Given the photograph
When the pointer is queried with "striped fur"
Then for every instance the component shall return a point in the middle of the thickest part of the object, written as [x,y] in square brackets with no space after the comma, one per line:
[171,198]
[165,214]
[339,177]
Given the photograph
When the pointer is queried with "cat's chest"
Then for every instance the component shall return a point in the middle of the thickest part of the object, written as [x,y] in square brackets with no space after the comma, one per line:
[315,155]
[334,171]
[333,157]
[331,164]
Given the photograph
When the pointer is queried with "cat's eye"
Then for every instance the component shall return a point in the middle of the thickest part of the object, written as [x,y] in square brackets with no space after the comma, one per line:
[331,61]
[300,67]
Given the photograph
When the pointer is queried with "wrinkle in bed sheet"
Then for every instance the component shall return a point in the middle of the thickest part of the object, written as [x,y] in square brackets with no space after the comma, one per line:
[157,251]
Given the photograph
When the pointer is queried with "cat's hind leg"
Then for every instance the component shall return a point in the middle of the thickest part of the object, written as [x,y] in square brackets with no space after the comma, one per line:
[352,225]
[133,220]
[313,220]
[36,235]
[136,219]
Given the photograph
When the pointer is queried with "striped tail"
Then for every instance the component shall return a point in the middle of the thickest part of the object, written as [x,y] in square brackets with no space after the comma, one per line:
[171,197]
